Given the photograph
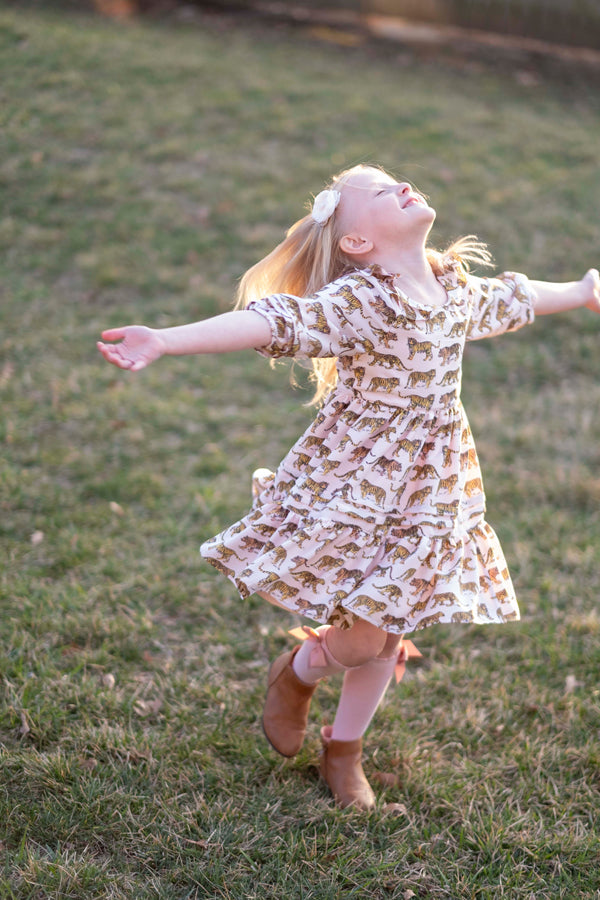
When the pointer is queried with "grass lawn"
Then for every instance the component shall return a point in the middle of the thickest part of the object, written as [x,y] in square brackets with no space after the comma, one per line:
[143,168]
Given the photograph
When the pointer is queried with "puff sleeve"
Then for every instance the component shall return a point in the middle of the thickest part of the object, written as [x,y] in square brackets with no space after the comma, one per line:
[324,325]
[499,305]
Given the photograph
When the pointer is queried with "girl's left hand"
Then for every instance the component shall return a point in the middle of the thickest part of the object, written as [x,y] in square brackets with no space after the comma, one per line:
[591,283]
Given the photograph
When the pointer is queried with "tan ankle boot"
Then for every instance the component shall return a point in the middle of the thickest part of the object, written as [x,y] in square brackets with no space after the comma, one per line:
[341,768]
[286,707]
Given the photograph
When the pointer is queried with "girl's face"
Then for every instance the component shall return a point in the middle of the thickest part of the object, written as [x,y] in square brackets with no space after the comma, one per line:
[382,210]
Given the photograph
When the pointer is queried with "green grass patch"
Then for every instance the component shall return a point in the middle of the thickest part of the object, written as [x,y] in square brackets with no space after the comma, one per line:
[143,168]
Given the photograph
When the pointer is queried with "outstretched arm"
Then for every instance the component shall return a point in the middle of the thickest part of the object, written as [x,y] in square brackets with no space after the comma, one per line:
[139,345]
[557,297]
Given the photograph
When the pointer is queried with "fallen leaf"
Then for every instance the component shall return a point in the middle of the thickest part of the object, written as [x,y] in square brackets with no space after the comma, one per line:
[395,809]
[36,538]
[7,373]
[571,684]
[148,707]
[24,729]
[116,508]
[386,779]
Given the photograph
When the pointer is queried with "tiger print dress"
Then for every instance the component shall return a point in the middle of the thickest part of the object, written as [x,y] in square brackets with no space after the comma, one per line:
[378,510]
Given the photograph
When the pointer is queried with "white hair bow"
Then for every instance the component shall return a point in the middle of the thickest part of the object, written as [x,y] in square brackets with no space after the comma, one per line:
[324,206]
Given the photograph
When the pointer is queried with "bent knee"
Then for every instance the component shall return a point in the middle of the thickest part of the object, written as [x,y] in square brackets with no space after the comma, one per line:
[356,645]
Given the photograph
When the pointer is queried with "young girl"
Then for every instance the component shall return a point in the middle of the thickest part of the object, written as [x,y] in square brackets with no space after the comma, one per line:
[373,524]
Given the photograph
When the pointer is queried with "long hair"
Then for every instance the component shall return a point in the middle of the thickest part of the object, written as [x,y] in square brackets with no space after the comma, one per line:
[309,258]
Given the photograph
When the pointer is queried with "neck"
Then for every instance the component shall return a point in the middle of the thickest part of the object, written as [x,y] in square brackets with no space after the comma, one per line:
[410,266]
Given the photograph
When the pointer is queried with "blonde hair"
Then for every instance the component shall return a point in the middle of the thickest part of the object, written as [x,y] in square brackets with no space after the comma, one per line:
[310,257]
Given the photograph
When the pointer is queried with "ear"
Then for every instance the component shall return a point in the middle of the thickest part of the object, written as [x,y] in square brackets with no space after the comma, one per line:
[355,245]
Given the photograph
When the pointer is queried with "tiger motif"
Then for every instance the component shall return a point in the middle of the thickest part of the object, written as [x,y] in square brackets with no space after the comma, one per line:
[473,487]
[497,576]
[427,621]
[449,378]
[398,622]
[447,484]
[485,323]
[353,304]
[447,509]
[328,562]
[419,606]
[317,487]
[373,424]
[468,587]
[458,329]
[438,320]
[226,553]
[314,347]
[445,430]
[355,575]
[252,545]
[409,447]
[387,338]
[373,606]
[388,385]
[284,591]
[397,551]
[422,347]
[468,459]
[421,402]
[320,320]
[387,466]
[350,549]
[264,529]
[359,454]
[464,617]
[302,459]
[451,352]
[425,378]
[393,592]
[419,496]
[279,554]
[224,570]
[372,490]
[308,580]
[447,456]
[425,471]
[384,311]
[449,399]
[385,360]
[309,609]
[445,599]
[312,441]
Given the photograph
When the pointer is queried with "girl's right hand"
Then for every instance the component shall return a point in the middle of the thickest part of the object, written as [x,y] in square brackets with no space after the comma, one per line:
[591,282]
[138,348]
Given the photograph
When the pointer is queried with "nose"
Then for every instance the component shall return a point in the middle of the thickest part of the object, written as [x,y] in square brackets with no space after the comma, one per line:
[403,188]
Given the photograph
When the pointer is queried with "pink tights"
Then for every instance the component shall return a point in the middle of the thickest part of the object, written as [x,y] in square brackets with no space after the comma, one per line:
[363,686]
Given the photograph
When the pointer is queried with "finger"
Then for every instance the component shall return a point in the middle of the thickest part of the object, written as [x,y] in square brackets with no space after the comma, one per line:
[137,366]
[111,355]
[114,334]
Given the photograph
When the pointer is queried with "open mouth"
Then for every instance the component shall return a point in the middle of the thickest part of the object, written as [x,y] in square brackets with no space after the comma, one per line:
[413,201]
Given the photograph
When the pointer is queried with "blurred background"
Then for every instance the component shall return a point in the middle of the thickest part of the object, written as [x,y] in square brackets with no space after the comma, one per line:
[568,22]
